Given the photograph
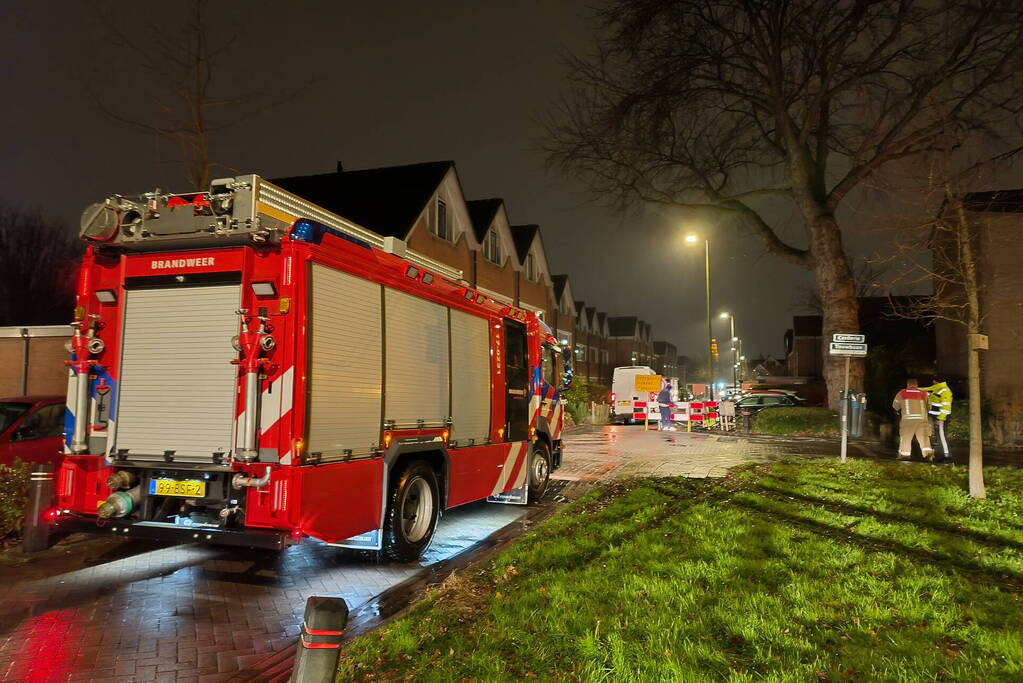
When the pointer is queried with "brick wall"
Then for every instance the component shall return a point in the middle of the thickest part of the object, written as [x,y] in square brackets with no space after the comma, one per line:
[426,243]
[496,278]
[47,373]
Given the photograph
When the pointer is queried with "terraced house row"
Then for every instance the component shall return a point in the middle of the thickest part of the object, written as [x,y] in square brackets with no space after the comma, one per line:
[425,206]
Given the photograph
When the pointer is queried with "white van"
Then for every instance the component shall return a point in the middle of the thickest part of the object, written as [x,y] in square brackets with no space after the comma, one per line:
[627,404]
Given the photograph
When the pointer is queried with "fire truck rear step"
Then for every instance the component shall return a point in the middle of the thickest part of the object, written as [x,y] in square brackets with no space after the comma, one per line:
[166,531]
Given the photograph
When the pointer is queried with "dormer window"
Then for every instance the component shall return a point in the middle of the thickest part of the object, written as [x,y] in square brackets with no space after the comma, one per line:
[492,247]
[532,274]
[441,223]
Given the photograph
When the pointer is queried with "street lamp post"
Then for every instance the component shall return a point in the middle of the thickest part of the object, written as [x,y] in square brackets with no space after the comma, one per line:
[693,239]
[732,342]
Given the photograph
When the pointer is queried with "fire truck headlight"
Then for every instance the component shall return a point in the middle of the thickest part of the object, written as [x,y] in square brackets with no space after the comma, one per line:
[96,345]
[268,343]
[236,343]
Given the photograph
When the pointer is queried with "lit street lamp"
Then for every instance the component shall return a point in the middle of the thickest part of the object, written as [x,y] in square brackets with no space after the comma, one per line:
[693,239]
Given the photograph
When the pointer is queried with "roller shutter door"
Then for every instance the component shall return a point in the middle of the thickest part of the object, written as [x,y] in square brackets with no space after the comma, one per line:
[345,365]
[470,378]
[177,384]
[417,367]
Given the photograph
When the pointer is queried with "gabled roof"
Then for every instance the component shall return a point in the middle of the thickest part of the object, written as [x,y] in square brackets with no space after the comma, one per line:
[482,213]
[591,315]
[523,236]
[622,326]
[386,200]
[559,282]
[664,348]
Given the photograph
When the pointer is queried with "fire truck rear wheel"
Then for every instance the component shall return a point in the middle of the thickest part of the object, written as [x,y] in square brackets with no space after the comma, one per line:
[539,471]
[413,508]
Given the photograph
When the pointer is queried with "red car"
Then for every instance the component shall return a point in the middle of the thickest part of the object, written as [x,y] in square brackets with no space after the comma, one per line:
[32,429]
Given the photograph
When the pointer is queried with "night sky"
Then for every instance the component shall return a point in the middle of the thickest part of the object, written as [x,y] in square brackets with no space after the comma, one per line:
[378,84]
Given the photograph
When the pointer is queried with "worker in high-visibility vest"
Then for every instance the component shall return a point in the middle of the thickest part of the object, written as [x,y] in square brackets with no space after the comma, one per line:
[911,404]
[939,408]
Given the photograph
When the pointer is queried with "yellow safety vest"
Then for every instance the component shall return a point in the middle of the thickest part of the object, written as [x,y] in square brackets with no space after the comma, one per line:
[940,400]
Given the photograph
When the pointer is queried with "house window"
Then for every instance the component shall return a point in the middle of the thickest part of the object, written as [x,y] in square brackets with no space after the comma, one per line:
[531,273]
[441,225]
[492,247]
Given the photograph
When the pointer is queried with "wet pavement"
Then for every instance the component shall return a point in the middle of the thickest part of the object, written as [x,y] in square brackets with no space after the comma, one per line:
[131,610]
[615,451]
[142,612]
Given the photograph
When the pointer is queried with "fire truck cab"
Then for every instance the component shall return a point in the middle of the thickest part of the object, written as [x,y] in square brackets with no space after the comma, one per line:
[248,368]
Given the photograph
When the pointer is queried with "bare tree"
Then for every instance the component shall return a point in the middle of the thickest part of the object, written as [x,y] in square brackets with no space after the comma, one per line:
[180,101]
[38,263]
[726,108]
[952,238]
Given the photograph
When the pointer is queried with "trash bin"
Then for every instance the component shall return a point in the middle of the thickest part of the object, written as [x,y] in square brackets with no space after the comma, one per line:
[855,406]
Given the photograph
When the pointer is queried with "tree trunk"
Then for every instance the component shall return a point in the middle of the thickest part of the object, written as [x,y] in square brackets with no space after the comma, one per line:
[976,469]
[972,288]
[840,309]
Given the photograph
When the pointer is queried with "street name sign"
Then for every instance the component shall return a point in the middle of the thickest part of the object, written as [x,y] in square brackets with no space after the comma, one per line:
[648,383]
[846,349]
[849,338]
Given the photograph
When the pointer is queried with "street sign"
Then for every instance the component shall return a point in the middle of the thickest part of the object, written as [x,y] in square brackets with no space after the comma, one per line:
[648,383]
[843,349]
[851,338]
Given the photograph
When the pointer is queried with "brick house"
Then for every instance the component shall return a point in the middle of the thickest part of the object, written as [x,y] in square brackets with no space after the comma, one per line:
[998,218]
[424,205]
[561,311]
[495,265]
[591,345]
[804,346]
[666,359]
[629,341]
[421,204]
[534,286]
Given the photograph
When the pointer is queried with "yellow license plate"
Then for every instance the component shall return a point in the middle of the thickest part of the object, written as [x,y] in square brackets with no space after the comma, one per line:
[175,487]
[624,403]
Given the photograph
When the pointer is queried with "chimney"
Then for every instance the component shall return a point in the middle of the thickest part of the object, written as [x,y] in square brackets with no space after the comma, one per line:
[340,168]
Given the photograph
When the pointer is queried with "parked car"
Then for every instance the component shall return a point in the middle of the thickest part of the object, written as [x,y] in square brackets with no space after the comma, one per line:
[755,402]
[32,429]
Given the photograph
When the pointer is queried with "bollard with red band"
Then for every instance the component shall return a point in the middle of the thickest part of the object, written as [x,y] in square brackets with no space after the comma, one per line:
[319,644]
[38,513]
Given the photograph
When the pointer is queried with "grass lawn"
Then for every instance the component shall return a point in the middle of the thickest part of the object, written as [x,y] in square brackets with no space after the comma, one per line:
[795,571]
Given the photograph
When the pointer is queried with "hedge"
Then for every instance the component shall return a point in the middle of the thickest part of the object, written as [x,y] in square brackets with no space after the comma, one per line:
[796,422]
[13,497]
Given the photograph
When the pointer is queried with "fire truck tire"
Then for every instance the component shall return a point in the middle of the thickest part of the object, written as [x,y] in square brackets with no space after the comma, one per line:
[413,507]
[539,470]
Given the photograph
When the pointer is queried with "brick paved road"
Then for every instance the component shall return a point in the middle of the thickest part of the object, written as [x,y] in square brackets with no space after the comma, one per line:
[195,613]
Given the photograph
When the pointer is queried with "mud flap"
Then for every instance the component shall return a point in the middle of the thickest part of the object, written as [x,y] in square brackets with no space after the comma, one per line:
[371,540]
[519,496]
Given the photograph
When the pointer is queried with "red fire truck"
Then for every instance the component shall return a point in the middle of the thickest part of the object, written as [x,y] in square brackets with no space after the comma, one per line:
[248,368]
